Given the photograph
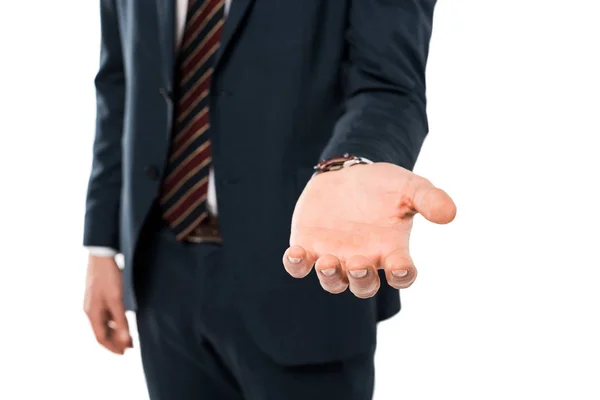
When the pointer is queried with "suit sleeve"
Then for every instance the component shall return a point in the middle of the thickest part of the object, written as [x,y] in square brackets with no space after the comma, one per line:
[385,118]
[104,188]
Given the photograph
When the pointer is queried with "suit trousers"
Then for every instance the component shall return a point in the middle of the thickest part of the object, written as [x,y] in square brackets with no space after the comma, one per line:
[193,341]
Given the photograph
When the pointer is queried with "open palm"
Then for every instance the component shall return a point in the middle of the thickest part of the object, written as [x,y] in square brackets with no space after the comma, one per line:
[351,222]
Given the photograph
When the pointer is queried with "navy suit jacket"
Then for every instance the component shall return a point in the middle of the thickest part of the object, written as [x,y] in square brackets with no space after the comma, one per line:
[295,81]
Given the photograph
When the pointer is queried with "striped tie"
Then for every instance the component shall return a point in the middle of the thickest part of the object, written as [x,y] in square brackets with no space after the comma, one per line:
[185,187]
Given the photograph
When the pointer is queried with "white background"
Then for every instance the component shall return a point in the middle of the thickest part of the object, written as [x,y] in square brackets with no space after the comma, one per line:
[507,302]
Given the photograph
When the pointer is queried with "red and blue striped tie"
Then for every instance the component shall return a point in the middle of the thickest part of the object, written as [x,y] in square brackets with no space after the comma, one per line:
[185,187]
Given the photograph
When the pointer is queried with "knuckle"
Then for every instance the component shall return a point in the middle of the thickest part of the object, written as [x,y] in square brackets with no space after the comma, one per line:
[89,309]
[114,297]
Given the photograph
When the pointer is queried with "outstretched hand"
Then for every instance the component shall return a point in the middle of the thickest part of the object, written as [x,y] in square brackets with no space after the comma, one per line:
[351,222]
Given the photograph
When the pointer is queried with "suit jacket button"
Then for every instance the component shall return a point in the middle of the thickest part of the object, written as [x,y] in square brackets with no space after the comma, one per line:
[152,172]
[166,94]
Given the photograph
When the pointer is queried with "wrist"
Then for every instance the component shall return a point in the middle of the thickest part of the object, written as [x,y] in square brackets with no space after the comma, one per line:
[337,163]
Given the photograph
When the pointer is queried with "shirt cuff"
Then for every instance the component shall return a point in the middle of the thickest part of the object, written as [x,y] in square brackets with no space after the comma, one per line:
[98,251]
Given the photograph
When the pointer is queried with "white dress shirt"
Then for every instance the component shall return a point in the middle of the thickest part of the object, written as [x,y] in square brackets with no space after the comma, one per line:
[211,201]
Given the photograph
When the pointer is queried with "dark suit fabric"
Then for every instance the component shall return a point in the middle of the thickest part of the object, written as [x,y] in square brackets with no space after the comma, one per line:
[295,82]
[196,344]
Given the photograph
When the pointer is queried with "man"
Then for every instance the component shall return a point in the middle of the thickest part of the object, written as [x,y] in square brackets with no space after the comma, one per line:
[203,102]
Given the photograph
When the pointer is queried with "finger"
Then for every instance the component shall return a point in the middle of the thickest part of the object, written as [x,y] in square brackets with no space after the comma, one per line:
[330,274]
[97,314]
[433,203]
[362,277]
[297,261]
[119,328]
[400,270]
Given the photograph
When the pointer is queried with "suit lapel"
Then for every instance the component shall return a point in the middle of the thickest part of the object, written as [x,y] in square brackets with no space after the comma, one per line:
[166,23]
[165,10]
[237,12]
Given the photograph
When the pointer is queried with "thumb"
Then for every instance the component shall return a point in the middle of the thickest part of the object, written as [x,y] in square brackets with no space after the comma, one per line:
[121,327]
[433,203]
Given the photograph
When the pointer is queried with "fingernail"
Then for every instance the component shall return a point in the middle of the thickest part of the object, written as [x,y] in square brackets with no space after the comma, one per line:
[361,273]
[294,260]
[399,273]
[328,271]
